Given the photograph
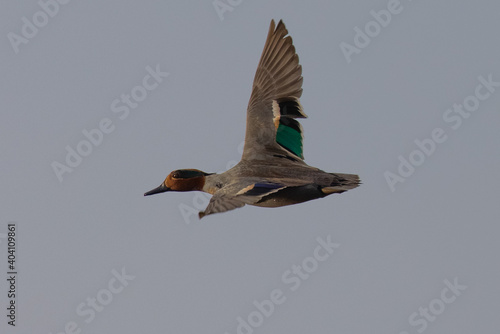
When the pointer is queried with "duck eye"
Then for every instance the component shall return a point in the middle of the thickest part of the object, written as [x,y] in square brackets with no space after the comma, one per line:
[176,175]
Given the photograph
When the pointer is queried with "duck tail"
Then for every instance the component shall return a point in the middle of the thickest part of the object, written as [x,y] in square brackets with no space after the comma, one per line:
[341,183]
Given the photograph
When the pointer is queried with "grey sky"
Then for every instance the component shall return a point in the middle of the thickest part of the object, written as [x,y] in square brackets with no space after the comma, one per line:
[418,256]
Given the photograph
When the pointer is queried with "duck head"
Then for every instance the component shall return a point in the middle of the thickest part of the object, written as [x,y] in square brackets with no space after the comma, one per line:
[181,180]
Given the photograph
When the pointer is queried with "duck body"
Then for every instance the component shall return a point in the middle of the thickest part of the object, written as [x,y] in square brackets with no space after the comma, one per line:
[275,184]
[272,171]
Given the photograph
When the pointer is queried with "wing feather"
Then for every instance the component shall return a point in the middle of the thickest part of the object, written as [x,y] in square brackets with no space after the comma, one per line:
[278,78]
[223,201]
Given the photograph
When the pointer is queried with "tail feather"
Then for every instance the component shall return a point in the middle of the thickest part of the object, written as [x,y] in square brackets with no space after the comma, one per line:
[341,183]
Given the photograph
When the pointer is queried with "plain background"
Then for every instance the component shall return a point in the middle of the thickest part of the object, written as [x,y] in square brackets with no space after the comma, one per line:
[192,276]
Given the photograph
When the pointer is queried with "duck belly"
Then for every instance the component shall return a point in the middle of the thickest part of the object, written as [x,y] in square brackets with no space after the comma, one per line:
[291,195]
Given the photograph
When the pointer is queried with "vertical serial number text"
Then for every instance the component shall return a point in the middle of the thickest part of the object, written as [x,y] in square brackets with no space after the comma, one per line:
[11,274]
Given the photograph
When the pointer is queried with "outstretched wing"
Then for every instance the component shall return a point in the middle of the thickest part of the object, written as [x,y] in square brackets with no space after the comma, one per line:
[272,129]
[223,201]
